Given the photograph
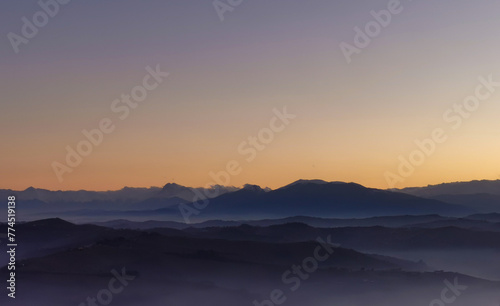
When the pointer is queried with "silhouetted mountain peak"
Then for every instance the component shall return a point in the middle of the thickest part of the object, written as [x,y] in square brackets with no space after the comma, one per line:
[172,186]
[251,187]
[298,182]
[308,186]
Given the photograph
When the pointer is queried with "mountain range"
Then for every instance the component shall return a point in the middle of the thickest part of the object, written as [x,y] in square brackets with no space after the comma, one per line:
[483,196]
[313,198]
[241,265]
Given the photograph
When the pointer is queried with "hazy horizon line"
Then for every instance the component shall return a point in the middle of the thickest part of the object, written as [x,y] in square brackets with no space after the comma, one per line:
[261,186]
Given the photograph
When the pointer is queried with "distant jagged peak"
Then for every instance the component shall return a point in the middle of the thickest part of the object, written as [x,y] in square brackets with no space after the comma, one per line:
[222,188]
[255,188]
[456,188]
[129,188]
[35,190]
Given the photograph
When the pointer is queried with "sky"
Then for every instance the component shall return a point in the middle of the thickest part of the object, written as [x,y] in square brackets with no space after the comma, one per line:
[228,76]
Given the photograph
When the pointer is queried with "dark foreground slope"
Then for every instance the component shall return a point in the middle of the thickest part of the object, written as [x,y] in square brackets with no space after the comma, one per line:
[174,269]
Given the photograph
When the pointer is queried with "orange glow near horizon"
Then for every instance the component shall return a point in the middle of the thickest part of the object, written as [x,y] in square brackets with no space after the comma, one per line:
[353,121]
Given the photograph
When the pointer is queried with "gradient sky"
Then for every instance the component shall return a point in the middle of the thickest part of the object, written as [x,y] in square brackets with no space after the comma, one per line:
[353,120]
